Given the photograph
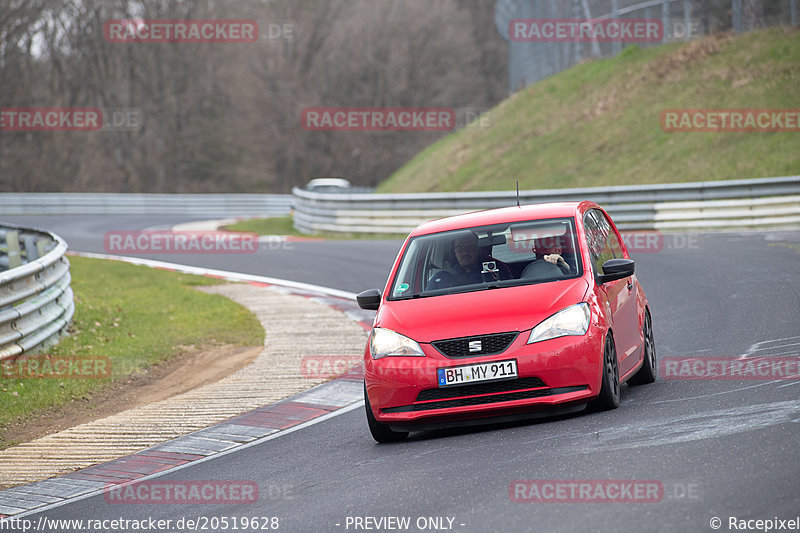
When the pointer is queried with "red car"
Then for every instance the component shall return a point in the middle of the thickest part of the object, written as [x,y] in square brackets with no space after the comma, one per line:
[512,312]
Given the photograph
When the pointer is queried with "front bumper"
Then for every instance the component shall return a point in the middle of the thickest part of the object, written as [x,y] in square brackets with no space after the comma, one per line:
[404,391]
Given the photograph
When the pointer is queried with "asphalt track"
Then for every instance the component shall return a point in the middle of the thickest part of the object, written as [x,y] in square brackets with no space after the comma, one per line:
[719,448]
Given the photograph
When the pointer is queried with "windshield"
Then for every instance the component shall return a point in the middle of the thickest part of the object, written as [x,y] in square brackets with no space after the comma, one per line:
[488,257]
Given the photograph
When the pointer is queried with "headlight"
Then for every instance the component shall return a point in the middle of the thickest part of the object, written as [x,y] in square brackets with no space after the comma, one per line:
[573,320]
[387,343]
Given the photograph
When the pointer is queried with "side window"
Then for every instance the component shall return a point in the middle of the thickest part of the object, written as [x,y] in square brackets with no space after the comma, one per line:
[610,235]
[593,240]
[601,239]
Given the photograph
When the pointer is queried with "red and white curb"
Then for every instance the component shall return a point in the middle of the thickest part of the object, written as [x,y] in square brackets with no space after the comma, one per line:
[339,396]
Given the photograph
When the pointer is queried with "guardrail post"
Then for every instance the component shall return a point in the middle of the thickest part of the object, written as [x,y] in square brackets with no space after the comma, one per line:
[687,19]
[556,47]
[576,13]
[665,20]
[737,16]
[31,250]
[12,242]
[617,44]
[793,8]
[587,13]
[40,247]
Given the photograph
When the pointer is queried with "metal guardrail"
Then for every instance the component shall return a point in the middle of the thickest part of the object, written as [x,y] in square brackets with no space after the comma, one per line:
[36,302]
[213,205]
[749,203]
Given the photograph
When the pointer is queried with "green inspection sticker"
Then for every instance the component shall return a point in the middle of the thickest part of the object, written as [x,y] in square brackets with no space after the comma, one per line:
[402,288]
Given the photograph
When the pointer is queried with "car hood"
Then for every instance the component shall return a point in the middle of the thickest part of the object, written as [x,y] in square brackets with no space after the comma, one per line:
[480,312]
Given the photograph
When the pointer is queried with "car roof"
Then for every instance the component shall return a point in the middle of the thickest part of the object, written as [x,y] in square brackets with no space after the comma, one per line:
[328,182]
[503,215]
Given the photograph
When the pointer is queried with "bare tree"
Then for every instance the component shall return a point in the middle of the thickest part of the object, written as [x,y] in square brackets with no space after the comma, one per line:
[226,117]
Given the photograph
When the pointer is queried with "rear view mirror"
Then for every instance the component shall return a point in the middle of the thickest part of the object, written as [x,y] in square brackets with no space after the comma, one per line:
[495,240]
[369,299]
[615,269]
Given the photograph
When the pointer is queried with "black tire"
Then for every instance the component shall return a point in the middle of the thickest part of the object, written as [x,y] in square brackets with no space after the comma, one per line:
[381,432]
[649,371]
[610,389]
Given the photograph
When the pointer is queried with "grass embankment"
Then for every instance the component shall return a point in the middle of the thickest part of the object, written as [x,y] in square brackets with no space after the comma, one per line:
[136,316]
[266,226]
[285,226]
[599,122]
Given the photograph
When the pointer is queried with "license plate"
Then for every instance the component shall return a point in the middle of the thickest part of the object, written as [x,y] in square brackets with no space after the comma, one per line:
[495,371]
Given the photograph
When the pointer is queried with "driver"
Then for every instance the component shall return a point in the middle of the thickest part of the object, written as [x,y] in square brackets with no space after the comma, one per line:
[470,266]
[548,262]
[549,249]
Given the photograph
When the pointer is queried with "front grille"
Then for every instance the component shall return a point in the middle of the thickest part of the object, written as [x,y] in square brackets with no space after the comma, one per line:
[481,400]
[480,388]
[489,345]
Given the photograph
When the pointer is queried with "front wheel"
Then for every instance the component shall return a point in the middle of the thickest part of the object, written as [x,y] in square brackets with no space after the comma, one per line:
[380,432]
[609,390]
[649,370]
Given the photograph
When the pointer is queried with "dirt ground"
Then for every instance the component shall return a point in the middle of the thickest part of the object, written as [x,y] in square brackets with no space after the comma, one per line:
[185,371]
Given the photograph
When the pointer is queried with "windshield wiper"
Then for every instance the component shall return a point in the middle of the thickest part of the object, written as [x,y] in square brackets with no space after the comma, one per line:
[415,295]
[451,290]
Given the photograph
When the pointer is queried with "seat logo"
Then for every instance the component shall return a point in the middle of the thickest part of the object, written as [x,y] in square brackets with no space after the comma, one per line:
[475,346]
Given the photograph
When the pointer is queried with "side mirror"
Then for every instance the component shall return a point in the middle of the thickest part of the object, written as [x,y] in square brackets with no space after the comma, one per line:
[615,269]
[369,299]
